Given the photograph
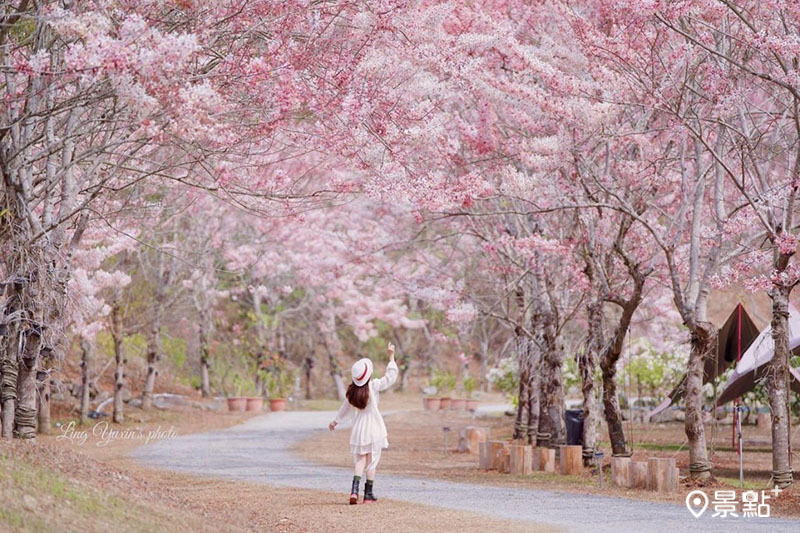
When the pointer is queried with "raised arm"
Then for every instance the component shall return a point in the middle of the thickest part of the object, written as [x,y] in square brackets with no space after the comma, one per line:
[390,376]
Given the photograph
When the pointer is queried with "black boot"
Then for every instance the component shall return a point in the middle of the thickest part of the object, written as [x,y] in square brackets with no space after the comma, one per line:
[369,497]
[354,490]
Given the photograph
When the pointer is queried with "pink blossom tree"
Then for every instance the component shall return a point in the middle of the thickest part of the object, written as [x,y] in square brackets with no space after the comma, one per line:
[747,123]
[91,312]
[101,97]
[340,257]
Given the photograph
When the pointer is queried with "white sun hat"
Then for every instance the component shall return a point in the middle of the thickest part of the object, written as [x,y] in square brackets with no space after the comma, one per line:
[362,371]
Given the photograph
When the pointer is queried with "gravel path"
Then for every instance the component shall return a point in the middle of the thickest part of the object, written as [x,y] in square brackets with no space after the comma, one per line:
[258,451]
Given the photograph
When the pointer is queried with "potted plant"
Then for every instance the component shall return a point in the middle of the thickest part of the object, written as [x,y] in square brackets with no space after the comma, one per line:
[469,390]
[237,402]
[253,402]
[279,384]
[429,399]
[457,404]
[448,381]
[437,382]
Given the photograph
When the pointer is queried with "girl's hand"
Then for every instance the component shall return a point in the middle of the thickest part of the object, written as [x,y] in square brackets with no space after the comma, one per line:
[332,425]
[391,351]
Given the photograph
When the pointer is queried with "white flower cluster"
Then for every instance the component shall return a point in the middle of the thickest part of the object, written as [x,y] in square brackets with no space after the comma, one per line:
[462,313]
[505,375]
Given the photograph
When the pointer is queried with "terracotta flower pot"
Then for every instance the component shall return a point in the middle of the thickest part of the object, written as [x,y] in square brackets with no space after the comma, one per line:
[431,404]
[237,404]
[458,404]
[472,405]
[444,403]
[255,403]
[277,404]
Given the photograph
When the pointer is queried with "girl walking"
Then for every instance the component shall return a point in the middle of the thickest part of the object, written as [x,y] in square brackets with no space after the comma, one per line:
[368,436]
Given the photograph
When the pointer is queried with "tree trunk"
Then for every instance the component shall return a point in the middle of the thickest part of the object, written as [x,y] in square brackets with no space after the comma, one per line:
[551,407]
[587,363]
[8,383]
[8,388]
[308,364]
[403,375]
[10,368]
[610,356]
[154,338]
[704,339]
[43,397]
[484,366]
[402,361]
[165,274]
[523,403]
[339,383]
[611,409]
[777,388]
[332,345]
[86,357]
[205,386]
[152,359]
[25,414]
[534,393]
[3,350]
[551,412]
[555,389]
[261,342]
[523,362]
[119,362]
[258,379]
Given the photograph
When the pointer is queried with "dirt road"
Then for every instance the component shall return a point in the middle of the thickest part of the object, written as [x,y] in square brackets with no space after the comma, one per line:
[259,451]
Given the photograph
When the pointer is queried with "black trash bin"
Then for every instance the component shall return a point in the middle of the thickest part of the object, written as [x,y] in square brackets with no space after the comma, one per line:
[574,420]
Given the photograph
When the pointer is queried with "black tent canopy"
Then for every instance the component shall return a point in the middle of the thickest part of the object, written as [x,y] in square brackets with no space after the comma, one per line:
[735,337]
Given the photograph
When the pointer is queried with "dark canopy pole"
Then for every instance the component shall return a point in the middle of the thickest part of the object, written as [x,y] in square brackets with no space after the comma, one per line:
[737,412]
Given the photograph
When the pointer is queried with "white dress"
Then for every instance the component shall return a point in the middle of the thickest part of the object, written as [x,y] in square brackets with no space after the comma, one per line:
[369,431]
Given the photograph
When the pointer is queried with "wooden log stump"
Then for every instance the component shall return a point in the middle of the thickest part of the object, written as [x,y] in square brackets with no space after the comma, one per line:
[621,471]
[527,460]
[516,453]
[638,472]
[521,459]
[549,458]
[475,435]
[544,459]
[462,447]
[662,475]
[484,456]
[496,448]
[570,460]
[505,463]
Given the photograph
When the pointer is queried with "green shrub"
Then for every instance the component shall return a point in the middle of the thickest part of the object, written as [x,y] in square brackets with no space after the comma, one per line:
[469,386]
[505,377]
[279,382]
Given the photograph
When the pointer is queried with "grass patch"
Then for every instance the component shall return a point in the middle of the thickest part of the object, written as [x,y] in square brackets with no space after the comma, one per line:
[748,485]
[133,418]
[40,500]
[657,447]
[325,404]
[682,447]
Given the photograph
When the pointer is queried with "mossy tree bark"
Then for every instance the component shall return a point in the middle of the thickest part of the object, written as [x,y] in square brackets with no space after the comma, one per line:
[86,360]
[778,389]
[117,334]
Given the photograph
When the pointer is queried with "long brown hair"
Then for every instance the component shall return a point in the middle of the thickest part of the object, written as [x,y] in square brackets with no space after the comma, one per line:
[358,396]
